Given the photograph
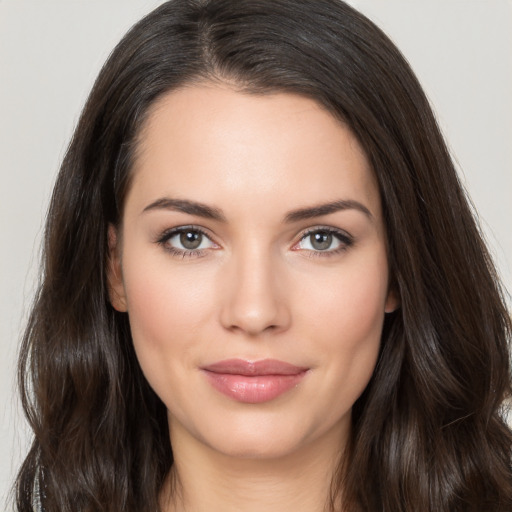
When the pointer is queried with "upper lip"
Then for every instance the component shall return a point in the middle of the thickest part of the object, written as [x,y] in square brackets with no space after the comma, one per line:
[254,368]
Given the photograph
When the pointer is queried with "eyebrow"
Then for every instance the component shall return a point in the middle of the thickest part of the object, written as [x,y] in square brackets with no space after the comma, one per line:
[326,209]
[186,206]
[209,212]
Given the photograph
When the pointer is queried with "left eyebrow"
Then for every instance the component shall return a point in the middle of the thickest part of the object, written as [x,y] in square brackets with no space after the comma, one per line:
[325,209]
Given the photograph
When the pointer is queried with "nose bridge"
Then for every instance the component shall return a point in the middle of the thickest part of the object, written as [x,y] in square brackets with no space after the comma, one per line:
[255,302]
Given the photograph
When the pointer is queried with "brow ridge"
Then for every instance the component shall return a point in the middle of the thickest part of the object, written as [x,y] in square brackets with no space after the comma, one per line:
[186,206]
[326,209]
[209,212]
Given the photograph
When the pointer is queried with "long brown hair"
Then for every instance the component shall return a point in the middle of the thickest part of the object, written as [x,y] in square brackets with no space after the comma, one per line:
[428,432]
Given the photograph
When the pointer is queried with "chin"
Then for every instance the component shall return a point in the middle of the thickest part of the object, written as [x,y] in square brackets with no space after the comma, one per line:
[267,435]
[257,447]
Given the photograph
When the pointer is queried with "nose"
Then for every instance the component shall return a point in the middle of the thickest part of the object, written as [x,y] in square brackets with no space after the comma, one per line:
[255,299]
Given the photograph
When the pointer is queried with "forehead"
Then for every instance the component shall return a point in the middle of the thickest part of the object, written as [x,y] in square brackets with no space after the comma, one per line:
[215,143]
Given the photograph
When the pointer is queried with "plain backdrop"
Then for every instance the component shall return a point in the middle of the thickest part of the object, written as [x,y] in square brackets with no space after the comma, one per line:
[51,51]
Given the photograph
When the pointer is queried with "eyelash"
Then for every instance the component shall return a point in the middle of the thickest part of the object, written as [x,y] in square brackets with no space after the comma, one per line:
[164,238]
[346,241]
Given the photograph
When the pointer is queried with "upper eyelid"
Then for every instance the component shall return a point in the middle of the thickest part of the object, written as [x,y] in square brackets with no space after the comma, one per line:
[328,229]
[168,233]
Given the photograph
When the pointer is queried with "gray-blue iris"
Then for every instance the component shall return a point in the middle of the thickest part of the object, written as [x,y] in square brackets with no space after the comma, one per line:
[321,240]
[191,239]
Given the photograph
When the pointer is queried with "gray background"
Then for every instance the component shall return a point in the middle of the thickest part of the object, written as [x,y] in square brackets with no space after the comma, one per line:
[51,51]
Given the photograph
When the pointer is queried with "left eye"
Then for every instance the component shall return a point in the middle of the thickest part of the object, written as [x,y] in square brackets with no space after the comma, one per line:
[323,240]
[188,240]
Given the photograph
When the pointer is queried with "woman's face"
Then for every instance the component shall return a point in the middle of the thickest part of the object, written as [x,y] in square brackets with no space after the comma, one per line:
[252,263]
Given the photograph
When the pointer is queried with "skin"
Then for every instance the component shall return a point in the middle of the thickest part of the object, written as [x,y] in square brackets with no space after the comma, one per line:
[258,288]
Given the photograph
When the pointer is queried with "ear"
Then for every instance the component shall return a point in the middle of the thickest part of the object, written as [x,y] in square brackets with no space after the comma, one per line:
[115,282]
[392,301]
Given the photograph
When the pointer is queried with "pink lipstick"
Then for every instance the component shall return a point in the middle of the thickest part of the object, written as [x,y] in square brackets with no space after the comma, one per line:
[253,382]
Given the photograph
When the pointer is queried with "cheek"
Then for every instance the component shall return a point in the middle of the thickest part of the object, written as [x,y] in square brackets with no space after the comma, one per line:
[167,309]
[346,322]
[361,311]
[350,303]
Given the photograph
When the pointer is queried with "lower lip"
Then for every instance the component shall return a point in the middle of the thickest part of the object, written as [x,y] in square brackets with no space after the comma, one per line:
[253,389]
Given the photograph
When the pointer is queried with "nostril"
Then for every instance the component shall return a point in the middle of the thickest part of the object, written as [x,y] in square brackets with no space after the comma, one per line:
[255,321]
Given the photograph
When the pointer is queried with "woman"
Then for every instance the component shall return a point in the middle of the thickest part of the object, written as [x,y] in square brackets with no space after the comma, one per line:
[263,286]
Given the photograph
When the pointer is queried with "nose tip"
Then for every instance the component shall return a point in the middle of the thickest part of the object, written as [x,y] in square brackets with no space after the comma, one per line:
[251,317]
[255,302]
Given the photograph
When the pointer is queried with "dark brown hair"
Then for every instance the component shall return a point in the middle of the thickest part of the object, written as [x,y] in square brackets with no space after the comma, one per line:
[428,432]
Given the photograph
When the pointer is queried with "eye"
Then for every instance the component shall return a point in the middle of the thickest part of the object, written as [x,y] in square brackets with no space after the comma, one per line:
[327,240]
[186,241]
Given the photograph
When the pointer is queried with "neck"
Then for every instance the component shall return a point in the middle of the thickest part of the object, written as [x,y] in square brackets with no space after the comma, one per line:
[204,480]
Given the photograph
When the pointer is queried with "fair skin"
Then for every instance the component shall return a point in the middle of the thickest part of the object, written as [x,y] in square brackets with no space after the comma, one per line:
[257,275]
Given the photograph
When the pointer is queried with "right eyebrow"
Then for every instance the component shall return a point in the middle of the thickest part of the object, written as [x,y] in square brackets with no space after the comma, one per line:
[186,206]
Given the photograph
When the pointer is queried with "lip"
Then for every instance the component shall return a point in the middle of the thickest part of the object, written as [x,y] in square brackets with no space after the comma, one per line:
[253,382]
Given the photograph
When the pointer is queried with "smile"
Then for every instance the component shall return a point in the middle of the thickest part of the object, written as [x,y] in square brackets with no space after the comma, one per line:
[253,382]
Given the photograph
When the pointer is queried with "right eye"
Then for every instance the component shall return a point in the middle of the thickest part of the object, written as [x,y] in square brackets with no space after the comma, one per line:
[186,241]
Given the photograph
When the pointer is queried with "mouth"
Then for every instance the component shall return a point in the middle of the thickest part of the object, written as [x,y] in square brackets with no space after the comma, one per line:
[253,382]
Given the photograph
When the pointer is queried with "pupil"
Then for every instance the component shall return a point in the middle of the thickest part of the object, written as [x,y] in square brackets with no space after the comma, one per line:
[191,239]
[321,241]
